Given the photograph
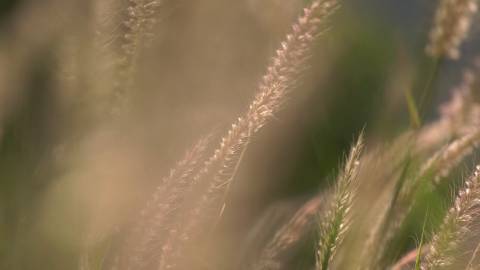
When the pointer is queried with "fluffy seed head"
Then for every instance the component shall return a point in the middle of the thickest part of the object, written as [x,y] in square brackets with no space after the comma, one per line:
[451,25]
[456,225]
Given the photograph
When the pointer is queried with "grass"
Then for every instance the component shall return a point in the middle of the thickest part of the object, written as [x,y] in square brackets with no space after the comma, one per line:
[91,127]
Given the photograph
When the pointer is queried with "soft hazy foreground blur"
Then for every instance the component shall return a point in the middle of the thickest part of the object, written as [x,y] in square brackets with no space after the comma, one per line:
[83,147]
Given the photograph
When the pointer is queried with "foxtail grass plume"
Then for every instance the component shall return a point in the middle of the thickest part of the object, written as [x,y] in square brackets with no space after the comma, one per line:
[458,116]
[432,172]
[465,111]
[456,225]
[458,120]
[334,224]
[440,165]
[288,235]
[152,223]
[451,26]
[139,23]
[283,75]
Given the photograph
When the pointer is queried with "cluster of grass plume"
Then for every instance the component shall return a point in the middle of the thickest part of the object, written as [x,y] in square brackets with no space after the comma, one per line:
[444,248]
[190,201]
[375,194]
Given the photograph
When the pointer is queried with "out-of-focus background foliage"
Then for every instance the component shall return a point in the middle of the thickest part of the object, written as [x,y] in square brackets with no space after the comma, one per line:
[62,170]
